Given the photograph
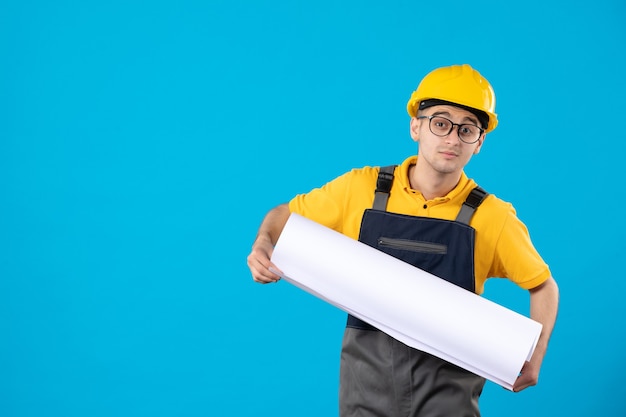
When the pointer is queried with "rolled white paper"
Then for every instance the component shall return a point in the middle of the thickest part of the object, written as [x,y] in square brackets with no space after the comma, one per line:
[409,304]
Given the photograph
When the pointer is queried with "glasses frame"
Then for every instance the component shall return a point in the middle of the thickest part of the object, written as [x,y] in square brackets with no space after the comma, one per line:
[452,124]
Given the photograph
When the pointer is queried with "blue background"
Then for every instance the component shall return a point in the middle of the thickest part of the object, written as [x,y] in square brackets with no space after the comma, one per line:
[142,142]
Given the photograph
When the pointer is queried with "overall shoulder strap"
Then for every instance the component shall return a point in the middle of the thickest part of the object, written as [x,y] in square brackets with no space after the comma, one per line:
[383,187]
[473,200]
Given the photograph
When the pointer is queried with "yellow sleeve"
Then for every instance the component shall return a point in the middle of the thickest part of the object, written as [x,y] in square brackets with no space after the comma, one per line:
[340,203]
[516,258]
[323,205]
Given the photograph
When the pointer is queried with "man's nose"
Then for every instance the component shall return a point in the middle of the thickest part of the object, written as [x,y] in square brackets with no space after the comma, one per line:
[453,136]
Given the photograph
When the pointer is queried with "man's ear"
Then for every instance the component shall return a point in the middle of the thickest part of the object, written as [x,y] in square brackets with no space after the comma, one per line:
[414,128]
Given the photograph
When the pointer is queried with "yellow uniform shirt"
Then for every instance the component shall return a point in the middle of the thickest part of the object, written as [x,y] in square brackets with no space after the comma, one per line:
[503,246]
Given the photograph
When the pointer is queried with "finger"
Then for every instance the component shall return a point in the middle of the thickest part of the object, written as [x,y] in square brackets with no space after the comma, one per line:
[262,273]
[264,276]
[520,387]
[522,383]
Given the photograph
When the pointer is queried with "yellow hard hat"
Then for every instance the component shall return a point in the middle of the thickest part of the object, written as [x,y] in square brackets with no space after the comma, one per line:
[457,84]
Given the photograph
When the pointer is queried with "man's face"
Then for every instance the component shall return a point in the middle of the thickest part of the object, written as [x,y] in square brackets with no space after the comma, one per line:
[445,154]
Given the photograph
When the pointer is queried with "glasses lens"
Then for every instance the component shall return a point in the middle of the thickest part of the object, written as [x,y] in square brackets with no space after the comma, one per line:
[469,133]
[440,126]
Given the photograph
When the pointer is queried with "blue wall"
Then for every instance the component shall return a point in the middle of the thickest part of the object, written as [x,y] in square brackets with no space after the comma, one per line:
[141,143]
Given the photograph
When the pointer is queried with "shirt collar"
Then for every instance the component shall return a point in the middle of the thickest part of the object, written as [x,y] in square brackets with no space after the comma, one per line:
[404,180]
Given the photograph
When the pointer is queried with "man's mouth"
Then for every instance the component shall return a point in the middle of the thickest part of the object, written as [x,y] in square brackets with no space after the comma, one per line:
[449,153]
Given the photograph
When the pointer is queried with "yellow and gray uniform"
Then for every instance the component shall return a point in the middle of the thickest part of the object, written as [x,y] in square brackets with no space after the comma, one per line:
[379,375]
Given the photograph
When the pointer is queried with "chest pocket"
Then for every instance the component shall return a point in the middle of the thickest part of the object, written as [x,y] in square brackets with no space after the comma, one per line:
[442,247]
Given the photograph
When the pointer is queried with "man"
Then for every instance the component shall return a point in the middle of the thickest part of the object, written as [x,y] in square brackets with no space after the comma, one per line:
[451,112]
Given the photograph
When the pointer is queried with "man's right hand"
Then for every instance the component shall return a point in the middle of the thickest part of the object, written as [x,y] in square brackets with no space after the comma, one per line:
[259,261]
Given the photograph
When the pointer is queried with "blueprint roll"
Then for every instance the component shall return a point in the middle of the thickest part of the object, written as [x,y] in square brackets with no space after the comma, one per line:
[411,305]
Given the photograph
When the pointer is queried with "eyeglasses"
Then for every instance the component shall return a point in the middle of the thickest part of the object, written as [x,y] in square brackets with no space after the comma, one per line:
[440,126]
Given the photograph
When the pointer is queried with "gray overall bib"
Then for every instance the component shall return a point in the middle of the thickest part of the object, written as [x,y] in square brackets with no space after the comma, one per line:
[382,377]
